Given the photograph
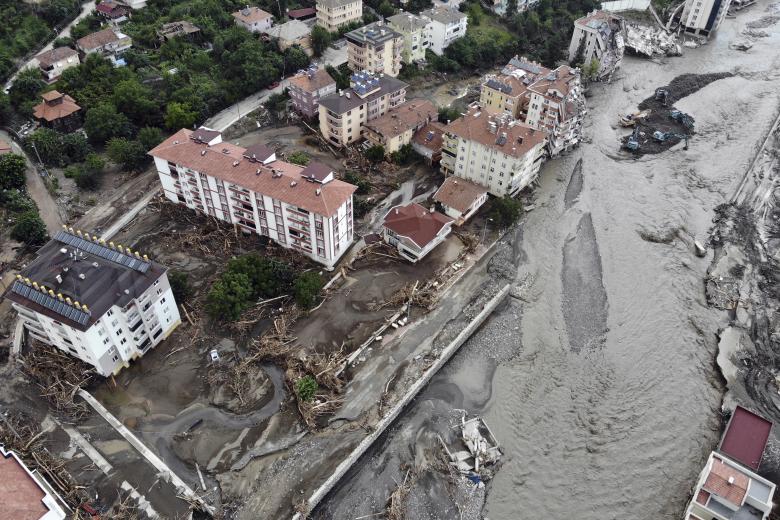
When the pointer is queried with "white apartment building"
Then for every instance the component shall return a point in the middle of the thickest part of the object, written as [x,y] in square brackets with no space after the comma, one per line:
[343,114]
[305,209]
[375,48]
[334,14]
[446,26]
[102,303]
[703,17]
[416,32]
[253,19]
[53,62]
[727,490]
[499,153]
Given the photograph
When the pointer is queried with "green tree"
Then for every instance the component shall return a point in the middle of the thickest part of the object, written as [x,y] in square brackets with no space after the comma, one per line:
[16,201]
[87,175]
[591,70]
[299,157]
[179,286]
[26,87]
[295,59]
[386,9]
[306,388]
[342,80]
[363,184]
[505,211]
[229,296]
[130,154]
[405,155]
[74,147]
[320,39]
[150,136]
[136,101]
[448,114]
[48,144]
[179,115]
[306,289]
[12,171]
[104,122]
[29,229]
[375,154]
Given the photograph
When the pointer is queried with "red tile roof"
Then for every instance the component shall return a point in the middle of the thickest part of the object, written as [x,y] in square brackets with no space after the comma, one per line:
[21,497]
[717,482]
[411,115]
[431,136]
[312,81]
[227,162]
[251,15]
[97,39]
[459,193]
[416,223]
[475,125]
[745,437]
[302,13]
[55,106]
[45,59]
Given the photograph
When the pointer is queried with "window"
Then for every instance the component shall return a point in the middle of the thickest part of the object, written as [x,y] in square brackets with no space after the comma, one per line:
[162,300]
[118,332]
[110,313]
[114,323]
[105,341]
[159,292]
[124,340]
[100,332]
[114,358]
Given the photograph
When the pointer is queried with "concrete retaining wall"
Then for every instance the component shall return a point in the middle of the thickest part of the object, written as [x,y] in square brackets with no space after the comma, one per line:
[393,414]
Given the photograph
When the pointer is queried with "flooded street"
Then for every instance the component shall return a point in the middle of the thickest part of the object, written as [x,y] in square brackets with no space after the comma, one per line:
[599,380]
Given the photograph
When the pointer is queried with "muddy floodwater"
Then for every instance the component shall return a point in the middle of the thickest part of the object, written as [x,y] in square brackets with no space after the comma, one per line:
[600,379]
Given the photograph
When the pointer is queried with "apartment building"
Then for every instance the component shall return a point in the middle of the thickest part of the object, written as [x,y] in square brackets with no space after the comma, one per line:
[308,87]
[446,26]
[102,303]
[53,62]
[397,127]
[592,36]
[703,17]
[414,230]
[416,32]
[253,19]
[110,42]
[497,152]
[545,99]
[343,114]
[334,14]
[375,48]
[300,208]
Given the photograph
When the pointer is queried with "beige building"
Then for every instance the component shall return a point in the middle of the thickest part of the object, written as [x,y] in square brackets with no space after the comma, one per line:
[333,14]
[497,152]
[254,19]
[416,32]
[53,62]
[375,48]
[545,99]
[397,127]
[294,32]
[343,113]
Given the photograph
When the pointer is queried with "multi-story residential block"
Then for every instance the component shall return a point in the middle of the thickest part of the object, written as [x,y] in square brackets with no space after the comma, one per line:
[307,87]
[110,42]
[253,19]
[703,17]
[334,14]
[343,114]
[446,26]
[305,209]
[25,494]
[53,62]
[414,230]
[599,36]
[58,111]
[497,152]
[102,303]
[460,198]
[416,32]
[397,127]
[375,48]
[545,99]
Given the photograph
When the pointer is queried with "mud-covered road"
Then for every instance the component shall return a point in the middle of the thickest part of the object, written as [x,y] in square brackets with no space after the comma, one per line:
[599,379]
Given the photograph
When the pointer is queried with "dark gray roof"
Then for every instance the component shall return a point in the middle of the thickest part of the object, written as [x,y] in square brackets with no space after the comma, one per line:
[341,104]
[316,171]
[497,85]
[204,134]
[407,21]
[374,33]
[92,274]
[445,15]
[258,152]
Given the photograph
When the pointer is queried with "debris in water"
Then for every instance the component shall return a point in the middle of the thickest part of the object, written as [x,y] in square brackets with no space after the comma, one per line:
[482,447]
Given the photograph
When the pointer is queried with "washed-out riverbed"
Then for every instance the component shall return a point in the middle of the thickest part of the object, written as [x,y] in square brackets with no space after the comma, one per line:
[599,378]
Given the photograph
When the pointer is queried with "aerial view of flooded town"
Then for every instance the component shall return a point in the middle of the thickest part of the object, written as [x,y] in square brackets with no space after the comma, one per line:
[389,259]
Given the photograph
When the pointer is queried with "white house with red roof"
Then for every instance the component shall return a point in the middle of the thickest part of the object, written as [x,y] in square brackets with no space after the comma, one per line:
[414,230]
[301,208]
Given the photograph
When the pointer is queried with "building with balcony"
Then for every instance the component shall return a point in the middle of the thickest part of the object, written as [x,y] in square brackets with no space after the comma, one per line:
[308,87]
[343,113]
[397,127]
[598,36]
[101,303]
[416,32]
[253,19]
[53,62]
[375,48]
[703,17]
[446,26]
[25,494]
[460,198]
[497,152]
[302,208]
[110,43]
[414,230]
[549,100]
[334,14]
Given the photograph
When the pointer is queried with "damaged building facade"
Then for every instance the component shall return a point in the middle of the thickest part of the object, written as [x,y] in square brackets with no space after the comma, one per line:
[703,17]
[598,36]
[101,303]
[302,208]
[548,100]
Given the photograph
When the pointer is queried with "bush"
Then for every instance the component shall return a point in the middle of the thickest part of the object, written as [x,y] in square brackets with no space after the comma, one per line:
[29,229]
[179,286]
[363,184]
[375,154]
[306,388]
[103,122]
[448,114]
[404,155]
[229,296]
[150,136]
[300,158]
[16,201]
[505,211]
[129,154]
[12,171]
[307,287]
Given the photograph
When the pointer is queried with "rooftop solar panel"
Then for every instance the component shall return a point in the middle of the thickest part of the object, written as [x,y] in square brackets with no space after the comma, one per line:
[50,303]
[104,252]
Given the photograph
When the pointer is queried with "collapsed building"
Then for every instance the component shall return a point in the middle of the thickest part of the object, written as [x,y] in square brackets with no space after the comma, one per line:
[598,36]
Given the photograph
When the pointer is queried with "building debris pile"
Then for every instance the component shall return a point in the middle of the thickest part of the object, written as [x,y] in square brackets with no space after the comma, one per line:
[482,449]
[651,41]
